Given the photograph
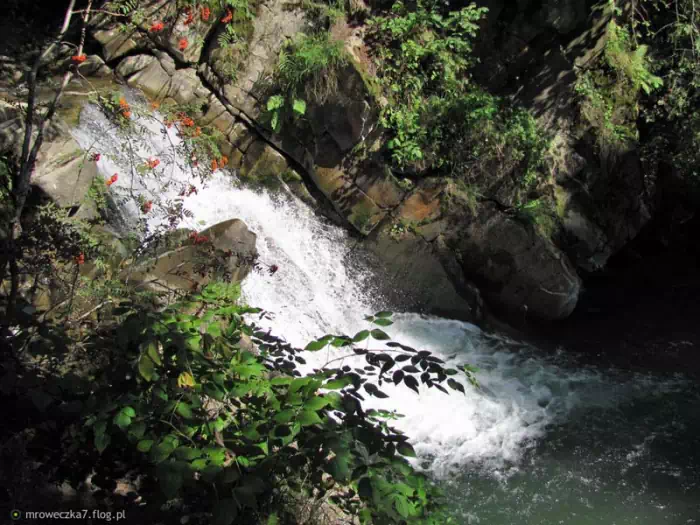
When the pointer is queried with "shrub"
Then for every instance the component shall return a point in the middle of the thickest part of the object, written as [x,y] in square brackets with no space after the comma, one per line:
[610,94]
[229,421]
[307,71]
[438,120]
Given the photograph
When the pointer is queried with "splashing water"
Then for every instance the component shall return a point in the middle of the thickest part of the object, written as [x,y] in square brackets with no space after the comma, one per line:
[540,442]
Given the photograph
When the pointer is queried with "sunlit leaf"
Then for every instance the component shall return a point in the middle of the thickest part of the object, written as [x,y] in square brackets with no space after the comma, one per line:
[379,335]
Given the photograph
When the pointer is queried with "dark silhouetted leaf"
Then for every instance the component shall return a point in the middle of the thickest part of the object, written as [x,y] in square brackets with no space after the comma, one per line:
[405,449]
[411,383]
[455,385]
[364,489]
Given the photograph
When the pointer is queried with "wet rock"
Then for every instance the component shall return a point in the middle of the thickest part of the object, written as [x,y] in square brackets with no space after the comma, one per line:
[132,65]
[262,162]
[185,85]
[115,43]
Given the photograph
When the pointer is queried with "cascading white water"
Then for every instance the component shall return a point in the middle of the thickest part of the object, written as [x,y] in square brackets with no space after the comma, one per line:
[523,394]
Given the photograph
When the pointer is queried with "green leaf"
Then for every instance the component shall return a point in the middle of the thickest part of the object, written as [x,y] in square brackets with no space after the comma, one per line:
[187,453]
[403,506]
[129,411]
[275,122]
[152,352]
[454,385]
[299,106]
[316,403]
[224,512]
[308,418]
[275,102]
[298,383]
[405,449]
[339,468]
[340,341]
[360,336]
[412,383]
[122,420]
[404,489]
[199,464]
[383,314]
[214,329]
[160,452]
[216,455]
[315,346]
[144,445]
[102,441]
[383,322]
[184,410]
[146,367]
[137,429]
[284,417]
[379,335]
[337,384]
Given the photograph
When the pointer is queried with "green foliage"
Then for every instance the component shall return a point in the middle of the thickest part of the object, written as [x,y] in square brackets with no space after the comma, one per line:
[673,36]
[306,71]
[609,107]
[309,64]
[401,228]
[437,119]
[423,57]
[324,14]
[630,61]
[234,38]
[540,213]
[228,420]
[610,94]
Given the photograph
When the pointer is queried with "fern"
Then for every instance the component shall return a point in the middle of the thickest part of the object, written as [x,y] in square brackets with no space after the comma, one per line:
[124,7]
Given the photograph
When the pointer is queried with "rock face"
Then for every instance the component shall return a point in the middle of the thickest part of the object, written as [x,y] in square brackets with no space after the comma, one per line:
[602,201]
[602,212]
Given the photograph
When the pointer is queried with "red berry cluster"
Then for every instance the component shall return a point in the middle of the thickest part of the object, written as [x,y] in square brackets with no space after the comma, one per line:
[198,239]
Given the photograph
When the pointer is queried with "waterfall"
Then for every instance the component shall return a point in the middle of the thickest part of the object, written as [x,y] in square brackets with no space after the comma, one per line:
[524,395]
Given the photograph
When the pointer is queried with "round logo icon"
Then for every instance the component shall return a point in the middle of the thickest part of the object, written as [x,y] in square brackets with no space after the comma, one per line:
[15,515]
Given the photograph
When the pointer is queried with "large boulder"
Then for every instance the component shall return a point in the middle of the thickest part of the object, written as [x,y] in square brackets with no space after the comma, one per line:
[62,172]
[602,212]
[411,275]
[516,267]
[187,261]
[116,43]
